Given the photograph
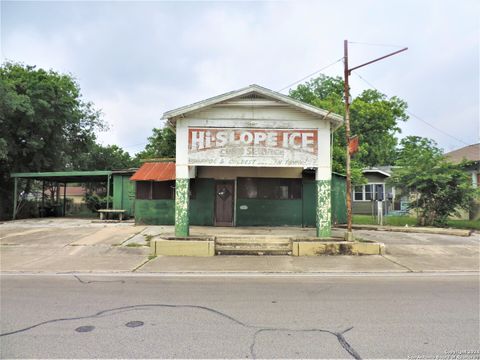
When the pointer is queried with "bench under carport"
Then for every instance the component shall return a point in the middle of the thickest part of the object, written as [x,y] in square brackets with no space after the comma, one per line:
[61,177]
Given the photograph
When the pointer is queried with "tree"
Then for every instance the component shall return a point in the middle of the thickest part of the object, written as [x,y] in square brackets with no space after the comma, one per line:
[439,188]
[108,157]
[160,145]
[373,117]
[45,125]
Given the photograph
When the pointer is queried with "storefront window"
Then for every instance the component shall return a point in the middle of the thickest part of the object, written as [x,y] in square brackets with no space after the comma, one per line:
[269,189]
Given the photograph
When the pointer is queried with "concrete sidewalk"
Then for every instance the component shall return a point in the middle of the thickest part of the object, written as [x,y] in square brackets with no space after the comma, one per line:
[68,245]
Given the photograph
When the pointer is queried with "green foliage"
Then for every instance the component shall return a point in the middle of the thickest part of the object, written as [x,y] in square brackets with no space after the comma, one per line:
[438,188]
[373,117]
[412,221]
[95,202]
[45,125]
[160,145]
[110,157]
[388,220]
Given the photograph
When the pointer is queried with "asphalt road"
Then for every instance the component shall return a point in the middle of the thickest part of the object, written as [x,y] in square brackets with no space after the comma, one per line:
[239,317]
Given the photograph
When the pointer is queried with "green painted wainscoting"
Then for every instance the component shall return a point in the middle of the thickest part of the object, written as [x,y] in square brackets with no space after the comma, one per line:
[269,212]
[155,212]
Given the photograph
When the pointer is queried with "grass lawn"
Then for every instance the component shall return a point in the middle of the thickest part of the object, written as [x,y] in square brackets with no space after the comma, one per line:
[411,221]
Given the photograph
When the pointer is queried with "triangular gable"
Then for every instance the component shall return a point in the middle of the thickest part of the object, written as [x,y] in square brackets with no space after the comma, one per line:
[251,92]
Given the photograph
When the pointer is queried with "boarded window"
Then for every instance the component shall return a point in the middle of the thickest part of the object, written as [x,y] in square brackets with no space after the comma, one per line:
[269,189]
[144,190]
[163,190]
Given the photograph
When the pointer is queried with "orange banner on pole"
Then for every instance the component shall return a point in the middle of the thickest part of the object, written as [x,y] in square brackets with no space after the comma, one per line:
[353,145]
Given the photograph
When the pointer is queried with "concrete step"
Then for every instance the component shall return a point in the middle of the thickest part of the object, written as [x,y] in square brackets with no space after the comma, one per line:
[234,242]
[252,251]
[252,239]
[254,248]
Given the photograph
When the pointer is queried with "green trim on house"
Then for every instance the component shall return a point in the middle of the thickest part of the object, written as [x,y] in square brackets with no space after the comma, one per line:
[324,226]
[181,207]
[154,212]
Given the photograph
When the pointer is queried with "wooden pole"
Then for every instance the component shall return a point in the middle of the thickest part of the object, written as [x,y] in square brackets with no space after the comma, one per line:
[348,234]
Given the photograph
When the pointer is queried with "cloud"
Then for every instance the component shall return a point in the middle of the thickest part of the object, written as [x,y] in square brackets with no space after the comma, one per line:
[138,60]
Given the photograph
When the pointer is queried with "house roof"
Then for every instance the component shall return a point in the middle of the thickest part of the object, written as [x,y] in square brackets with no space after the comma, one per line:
[377,170]
[71,191]
[155,171]
[470,153]
[335,119]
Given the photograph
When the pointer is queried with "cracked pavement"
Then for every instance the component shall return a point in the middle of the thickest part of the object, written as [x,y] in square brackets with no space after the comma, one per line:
[82,316]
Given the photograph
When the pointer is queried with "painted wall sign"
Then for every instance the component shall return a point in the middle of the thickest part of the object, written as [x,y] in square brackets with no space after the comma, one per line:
[252,147]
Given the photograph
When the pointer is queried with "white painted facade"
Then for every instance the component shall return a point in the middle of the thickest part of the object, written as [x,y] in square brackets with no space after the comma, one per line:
[250,114]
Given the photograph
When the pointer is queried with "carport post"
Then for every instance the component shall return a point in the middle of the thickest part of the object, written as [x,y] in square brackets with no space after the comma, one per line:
[15,186]
[108,191]
[64,197]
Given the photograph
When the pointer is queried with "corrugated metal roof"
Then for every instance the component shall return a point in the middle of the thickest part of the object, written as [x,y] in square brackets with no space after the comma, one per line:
[155,171]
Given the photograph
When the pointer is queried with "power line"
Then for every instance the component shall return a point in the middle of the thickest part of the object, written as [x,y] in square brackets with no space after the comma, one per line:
[372,44]
[413,115]
[310,75]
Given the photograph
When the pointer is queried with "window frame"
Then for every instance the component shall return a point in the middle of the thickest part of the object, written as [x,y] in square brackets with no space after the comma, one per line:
[373,192]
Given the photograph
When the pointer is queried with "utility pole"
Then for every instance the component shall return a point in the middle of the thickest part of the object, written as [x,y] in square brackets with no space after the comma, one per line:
[347,73]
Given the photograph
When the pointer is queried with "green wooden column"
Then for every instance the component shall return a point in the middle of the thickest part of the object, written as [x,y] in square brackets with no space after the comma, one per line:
[181,207]
[324,209]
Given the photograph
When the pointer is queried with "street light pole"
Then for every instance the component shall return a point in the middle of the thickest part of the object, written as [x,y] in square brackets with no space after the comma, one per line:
[347,72]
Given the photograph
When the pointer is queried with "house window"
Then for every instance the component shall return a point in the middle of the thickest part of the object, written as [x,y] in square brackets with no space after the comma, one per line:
[269,189]
[368,192]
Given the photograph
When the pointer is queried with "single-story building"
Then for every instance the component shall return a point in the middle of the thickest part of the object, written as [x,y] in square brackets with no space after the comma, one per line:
[248,157]
[470,153]
[364,197]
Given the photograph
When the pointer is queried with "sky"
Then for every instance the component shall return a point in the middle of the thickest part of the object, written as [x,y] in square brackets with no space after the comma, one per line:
[137,60]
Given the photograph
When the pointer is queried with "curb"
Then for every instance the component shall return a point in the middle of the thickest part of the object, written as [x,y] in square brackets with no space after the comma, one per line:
[421,230]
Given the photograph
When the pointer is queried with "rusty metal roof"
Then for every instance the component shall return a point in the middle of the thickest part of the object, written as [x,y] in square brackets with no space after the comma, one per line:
[155,171]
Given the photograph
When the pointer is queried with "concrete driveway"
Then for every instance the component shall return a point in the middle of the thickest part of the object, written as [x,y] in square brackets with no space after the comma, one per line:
[429,252]
[78,245]
[65,245]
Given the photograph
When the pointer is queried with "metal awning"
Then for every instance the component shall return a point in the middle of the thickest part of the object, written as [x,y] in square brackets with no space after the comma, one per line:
[155,171]
[65,176]
[59,177]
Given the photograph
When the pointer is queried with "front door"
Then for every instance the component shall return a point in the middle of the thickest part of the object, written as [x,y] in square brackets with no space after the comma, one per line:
[224,195]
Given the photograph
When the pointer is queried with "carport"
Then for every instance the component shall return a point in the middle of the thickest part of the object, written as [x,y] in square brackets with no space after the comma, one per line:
[63,177]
